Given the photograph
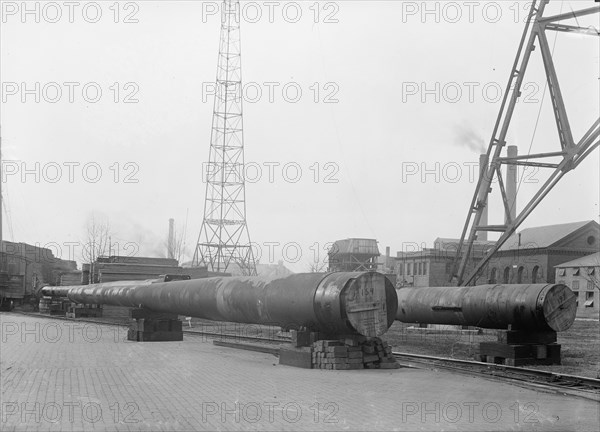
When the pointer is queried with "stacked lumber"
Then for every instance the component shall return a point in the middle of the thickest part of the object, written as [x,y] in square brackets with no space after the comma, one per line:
[135,268]
[118,313]
[87,311]
[169,262]
[333,354]
[378,355]
[53,306]
[70,278]
[14,287]
[111,272]
[198,272]
[355,352]
[114,277]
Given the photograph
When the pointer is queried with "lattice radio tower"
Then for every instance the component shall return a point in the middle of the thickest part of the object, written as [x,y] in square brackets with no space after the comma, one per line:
[224,238]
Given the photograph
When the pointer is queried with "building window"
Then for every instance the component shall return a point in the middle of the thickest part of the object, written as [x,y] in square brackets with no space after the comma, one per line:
[425,268]
[420,268]
[575,285]
[590,270]
[534,274]
[408,269]
[591,240]
[493,276]
[589,299]
[590,285]
[520,274]
[414,270]
[561,271]
[449,267]
[401,269]
[576,271]
[506,275]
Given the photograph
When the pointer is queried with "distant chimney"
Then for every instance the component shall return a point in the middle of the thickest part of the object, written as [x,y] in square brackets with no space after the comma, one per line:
[483,163]
[511,183]
[387,251]
[171,240]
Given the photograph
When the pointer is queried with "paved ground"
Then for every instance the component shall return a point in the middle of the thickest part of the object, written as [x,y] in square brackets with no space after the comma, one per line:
[63,376]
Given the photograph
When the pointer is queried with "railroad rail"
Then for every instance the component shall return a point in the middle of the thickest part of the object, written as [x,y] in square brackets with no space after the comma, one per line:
[277,339]
[584,386]
[504,372]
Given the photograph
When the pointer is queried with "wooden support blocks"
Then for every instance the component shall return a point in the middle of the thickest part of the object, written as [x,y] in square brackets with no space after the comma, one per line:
[520,337]
[518,347]
[149,326]
[87,312]
[298,357]
[145,313]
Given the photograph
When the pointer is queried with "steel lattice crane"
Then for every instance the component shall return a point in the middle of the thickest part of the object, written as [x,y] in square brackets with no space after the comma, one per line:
[571,153]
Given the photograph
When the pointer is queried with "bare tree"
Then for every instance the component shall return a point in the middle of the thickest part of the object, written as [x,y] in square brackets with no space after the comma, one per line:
[317,267]
[177,248]
[97,241]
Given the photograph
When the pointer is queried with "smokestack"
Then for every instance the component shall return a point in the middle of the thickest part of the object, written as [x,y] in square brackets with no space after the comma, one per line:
[511,183]
[387,251]
[171,241]
[483,163]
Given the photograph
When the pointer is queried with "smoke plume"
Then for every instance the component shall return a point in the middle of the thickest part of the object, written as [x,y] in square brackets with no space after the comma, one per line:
[465,136]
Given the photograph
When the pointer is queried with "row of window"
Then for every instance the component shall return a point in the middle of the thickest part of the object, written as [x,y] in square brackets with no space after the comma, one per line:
[577,271]
[522,275]
[413,268]
[589,295]
[575,285]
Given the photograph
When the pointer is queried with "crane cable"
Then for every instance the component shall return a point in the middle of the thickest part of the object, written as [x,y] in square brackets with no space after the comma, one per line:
[537,120]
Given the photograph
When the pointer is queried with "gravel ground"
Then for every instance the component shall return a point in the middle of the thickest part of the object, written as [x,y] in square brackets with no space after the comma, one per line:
[580,345]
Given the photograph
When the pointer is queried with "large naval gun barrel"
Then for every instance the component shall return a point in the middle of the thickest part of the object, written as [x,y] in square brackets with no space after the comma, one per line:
[335,303]
[535,307]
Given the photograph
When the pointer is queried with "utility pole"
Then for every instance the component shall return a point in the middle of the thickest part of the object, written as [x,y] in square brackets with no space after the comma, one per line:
[3,257]
[224,237]
[1,202]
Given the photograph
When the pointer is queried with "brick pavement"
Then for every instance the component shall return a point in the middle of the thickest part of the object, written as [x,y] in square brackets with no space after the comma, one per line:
[65,376]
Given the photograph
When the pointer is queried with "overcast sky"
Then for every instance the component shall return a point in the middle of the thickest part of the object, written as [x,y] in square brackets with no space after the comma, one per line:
[399,89]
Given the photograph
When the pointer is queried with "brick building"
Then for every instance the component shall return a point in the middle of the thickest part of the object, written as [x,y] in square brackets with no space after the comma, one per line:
[433,266]
[530,255]
[582,275]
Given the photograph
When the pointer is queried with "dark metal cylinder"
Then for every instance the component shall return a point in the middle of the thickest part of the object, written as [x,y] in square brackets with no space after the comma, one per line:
[533,307]
[341,303]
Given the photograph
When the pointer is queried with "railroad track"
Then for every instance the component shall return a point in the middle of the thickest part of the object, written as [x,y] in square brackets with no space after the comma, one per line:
[510,373]
[521,375]
[187,332]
